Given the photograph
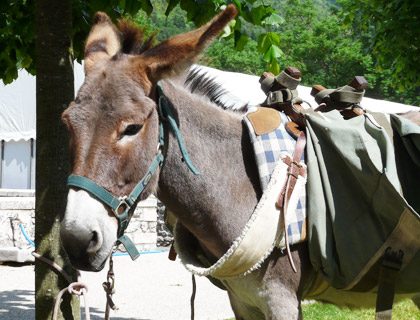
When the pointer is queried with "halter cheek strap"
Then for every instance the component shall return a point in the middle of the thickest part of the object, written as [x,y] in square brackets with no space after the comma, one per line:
[121,206]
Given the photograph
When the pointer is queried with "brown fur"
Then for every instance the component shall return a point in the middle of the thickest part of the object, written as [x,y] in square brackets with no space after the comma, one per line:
[133,38]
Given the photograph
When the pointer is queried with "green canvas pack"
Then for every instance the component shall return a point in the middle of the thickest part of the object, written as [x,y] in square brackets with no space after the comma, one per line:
[358,203]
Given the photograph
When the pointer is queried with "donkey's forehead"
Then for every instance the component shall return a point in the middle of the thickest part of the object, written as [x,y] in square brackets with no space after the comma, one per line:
[114,80]
[111,92]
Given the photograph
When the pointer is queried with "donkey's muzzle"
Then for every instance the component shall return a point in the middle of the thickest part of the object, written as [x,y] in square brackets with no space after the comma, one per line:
[82,248]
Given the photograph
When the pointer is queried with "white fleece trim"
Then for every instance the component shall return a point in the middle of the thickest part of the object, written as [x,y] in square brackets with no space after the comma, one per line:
[250,249]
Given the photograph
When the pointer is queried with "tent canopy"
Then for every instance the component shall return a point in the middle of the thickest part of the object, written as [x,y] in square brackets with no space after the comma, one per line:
[18,109]
[18,106]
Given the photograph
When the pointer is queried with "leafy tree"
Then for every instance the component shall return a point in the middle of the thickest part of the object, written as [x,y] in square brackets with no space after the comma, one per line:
[16,32]
[391,35]
[222,55]
[17,24]
[314,40]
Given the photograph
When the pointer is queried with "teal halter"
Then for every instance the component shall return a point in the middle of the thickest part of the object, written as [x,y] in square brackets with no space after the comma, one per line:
[121,206]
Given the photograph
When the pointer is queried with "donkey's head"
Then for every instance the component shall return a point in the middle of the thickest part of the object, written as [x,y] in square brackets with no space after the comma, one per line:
[114,129]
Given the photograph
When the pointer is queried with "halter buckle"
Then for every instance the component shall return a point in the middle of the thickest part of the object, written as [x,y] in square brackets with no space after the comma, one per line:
[122,207]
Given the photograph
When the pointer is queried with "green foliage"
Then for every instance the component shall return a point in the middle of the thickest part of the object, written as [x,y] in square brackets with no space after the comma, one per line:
[392,36]
[330,41]
[314,41]
[16,38]
[17,25]
[222,55]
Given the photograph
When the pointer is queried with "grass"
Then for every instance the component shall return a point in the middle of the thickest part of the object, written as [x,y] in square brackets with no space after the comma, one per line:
[404,310]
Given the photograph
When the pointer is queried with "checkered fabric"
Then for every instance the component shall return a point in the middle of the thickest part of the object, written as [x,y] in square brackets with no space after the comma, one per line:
[269,148]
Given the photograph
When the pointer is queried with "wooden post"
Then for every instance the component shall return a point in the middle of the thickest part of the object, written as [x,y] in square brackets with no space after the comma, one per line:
[54,90]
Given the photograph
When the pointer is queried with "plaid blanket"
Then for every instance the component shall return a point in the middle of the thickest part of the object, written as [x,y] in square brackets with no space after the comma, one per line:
[269,148]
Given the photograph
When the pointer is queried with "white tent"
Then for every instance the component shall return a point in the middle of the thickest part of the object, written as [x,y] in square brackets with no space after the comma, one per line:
[18,130]
[17,133]
[18,118]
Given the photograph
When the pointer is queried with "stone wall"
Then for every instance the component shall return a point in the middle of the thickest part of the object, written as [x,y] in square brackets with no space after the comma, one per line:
[164,234]
[18,207]
[142,227]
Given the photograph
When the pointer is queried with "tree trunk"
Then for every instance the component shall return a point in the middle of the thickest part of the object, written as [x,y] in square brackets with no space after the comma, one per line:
[54,90]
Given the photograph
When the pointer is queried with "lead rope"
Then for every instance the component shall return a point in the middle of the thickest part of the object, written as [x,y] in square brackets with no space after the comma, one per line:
[109,287]
[77,288]
[193,293]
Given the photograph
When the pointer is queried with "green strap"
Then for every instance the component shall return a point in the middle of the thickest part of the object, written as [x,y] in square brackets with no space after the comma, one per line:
[138,189]
[129,246]
[165,111]
[345,94]
[125,203]
[91,186]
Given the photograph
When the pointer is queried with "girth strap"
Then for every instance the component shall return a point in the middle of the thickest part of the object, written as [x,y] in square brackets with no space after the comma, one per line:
[388,274]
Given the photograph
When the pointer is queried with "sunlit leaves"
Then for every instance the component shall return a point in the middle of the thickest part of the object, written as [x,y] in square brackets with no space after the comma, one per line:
[393,27]
[268,45]
[273,20]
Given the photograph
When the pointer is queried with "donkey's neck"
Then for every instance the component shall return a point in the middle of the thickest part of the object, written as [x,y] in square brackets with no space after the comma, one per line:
[215,205]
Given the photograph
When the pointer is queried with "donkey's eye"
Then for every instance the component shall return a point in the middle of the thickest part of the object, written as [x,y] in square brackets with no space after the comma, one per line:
[131,130]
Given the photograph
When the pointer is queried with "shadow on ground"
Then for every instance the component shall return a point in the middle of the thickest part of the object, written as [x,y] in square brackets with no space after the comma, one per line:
[98,314]
[17,305]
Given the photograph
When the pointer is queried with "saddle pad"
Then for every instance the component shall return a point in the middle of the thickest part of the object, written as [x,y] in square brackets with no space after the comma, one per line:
[269,147]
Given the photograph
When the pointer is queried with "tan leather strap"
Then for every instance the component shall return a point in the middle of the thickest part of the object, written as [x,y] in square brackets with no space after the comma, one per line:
[294,170]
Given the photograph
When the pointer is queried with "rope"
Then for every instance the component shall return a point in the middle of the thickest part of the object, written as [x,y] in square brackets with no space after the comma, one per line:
[109,288]
[77,288]
[74,288]
[193,293]
[54,265]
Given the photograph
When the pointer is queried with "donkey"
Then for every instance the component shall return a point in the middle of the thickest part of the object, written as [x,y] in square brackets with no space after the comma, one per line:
[115,125]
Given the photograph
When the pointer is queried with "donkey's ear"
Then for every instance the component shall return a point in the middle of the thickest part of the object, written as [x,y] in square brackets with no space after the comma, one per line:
[102,43]
[179,52]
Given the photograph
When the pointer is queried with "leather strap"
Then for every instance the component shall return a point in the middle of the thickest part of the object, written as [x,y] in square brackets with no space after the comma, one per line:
[294,170]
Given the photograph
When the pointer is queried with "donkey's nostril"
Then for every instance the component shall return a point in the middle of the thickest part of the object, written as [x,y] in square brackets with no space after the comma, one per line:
[95,242]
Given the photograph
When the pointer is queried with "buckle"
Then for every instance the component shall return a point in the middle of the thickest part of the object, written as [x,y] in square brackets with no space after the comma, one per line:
[122,207]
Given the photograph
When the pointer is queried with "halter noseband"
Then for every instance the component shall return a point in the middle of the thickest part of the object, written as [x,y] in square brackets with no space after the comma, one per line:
[121,206]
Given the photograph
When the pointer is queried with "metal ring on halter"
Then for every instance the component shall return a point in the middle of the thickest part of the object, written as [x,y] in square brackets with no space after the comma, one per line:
[122,206]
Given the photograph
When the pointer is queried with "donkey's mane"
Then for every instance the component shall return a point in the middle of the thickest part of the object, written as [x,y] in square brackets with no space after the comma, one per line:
[200,82]
[133,38]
